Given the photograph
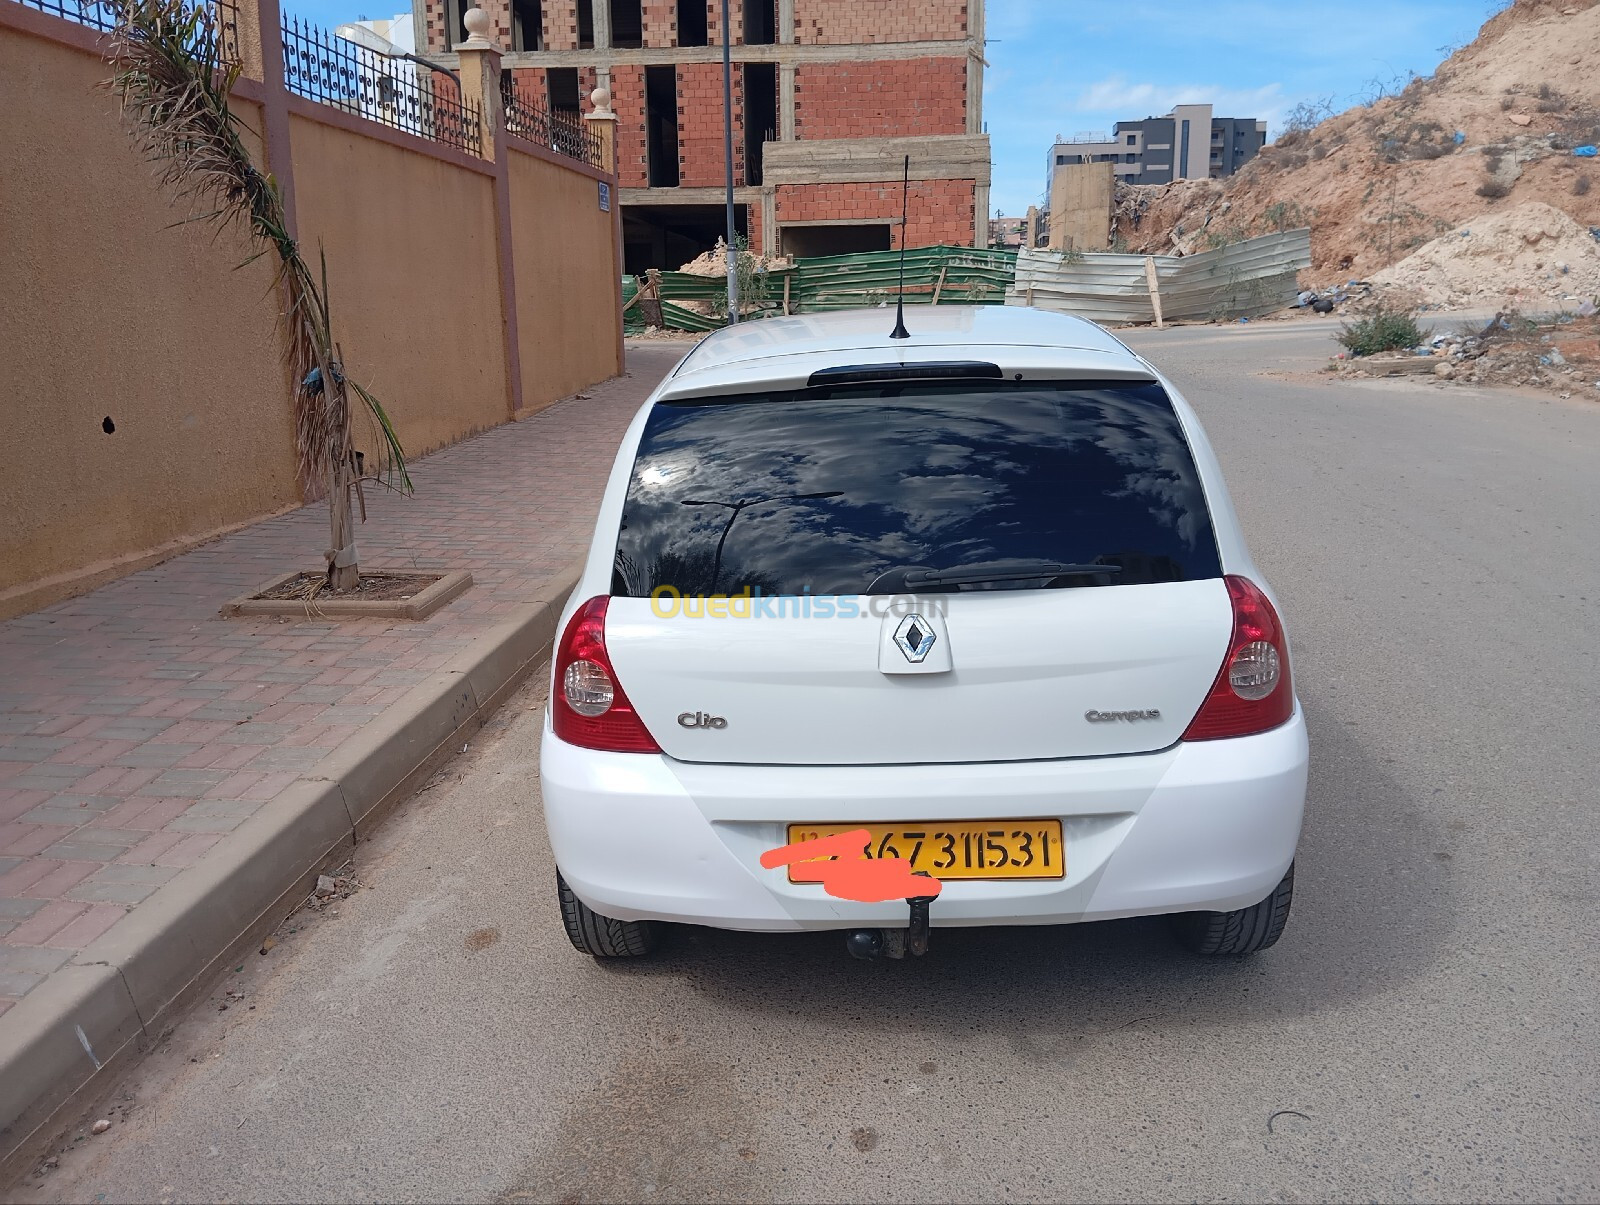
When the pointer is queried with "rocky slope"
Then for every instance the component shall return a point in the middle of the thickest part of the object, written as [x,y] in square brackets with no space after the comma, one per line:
[1493,128]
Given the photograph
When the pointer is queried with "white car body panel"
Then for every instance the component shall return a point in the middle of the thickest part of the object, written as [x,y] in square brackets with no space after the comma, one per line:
[1203,826]
[1028,667]
[1151,824]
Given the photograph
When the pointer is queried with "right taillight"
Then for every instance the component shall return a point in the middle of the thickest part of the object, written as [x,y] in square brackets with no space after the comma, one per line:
[1252,692]
[588,707]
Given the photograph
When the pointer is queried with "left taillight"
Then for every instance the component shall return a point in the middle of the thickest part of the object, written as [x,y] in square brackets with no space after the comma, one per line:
[589,708]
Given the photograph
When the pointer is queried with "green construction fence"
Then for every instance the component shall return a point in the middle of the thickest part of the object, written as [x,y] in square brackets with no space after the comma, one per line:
[933,275]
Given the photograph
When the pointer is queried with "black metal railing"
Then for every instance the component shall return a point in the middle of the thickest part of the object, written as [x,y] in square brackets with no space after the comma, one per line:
[327,69]
[564,132]
[226,20]
[220,25]
[96,14]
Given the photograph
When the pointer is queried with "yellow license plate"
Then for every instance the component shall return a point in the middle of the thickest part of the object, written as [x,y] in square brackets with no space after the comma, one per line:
[959,849]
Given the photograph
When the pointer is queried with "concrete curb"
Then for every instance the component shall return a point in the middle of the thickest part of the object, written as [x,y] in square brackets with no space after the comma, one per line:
[71,1035]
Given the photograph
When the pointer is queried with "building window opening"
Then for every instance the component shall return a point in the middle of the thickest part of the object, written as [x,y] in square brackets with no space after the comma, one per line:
[692,22]
[760,22]
[661,125]
[455,15]
[806,242]
[561,86]
[760,115]
[527,25]
[627,24]
[585,24]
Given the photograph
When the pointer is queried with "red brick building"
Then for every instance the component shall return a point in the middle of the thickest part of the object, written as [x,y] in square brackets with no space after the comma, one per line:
[828,97]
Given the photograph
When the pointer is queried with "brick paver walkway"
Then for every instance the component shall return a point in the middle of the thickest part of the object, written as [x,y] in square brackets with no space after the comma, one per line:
[137,728]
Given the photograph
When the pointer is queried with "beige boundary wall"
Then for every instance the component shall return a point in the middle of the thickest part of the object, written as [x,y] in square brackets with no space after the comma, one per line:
[465,291]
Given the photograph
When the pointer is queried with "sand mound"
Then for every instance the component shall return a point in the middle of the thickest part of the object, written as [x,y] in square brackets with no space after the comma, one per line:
[1532,256]
[715,262]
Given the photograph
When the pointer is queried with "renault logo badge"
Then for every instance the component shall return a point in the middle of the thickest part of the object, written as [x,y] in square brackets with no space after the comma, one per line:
[915,637]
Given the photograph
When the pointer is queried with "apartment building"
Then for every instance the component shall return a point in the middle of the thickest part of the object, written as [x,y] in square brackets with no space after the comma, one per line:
[828,97]
[1185,144]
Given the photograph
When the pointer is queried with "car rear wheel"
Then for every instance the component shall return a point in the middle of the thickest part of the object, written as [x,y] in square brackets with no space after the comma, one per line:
[1243,931]
[591,933]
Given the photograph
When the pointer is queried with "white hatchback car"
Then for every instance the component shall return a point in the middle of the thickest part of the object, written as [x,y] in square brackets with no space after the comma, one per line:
[980,592]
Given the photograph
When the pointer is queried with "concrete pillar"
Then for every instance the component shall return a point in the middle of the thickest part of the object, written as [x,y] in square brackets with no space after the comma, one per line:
[480,79]
[601,16]
[480,85]
[242,22]
[975,65]
[980,209]
[769,220]
[603,121]
[259,32]
[785,22]
[786,102]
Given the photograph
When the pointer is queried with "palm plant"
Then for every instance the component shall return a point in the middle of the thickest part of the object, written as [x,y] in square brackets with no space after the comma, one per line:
[175,83]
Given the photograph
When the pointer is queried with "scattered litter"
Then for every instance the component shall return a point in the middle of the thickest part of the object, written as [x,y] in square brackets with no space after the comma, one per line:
[1460,137]
[1285,1113]
[331,888]
[100,1127]
[1587,152]
[265,947]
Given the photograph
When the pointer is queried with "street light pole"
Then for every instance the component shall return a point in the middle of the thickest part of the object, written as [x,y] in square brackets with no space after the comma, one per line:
[727,152]
[371,39]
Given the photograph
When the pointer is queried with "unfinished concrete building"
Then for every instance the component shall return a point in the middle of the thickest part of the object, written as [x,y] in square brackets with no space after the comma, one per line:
[828,97]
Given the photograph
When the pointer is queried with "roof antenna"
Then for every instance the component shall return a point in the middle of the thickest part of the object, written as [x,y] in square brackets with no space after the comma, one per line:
[900,331]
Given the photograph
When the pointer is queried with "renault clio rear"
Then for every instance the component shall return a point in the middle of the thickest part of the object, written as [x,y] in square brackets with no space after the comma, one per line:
[980,593]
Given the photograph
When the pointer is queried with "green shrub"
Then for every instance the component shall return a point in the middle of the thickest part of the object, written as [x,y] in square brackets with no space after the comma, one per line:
[1380,331]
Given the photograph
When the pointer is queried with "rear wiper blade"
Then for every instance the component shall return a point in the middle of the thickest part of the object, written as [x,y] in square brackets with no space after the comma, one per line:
[976,574]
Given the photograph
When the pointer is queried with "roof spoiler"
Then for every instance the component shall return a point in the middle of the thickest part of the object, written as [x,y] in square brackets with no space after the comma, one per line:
[858,374]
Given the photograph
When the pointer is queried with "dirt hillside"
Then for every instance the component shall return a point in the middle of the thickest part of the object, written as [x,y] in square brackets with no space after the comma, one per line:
[1493,128]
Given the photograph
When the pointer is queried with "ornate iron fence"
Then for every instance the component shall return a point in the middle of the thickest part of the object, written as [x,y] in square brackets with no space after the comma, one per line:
[327,69]
[96,14]
[219,23]
[565,133]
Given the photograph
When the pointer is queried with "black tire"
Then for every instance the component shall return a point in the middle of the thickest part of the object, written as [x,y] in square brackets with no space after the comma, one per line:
[591,933]
[1244,931]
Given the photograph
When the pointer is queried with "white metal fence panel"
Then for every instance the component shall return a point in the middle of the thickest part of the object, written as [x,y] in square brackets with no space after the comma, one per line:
[1241,280]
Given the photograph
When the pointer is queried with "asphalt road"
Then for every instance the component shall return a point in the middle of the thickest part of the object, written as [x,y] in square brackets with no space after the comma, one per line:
[1425,1030]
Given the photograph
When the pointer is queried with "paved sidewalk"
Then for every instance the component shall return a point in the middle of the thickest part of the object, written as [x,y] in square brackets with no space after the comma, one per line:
[138,729]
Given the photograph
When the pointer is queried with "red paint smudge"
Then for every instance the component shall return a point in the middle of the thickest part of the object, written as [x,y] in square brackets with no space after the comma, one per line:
[845,871]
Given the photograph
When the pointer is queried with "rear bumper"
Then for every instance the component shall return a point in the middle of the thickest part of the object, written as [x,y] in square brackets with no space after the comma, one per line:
[1209,826]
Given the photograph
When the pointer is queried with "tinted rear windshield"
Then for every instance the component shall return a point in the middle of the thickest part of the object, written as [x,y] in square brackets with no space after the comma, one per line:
[866,489]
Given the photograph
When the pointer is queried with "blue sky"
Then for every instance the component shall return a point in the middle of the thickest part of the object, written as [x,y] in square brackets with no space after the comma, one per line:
[1064,66]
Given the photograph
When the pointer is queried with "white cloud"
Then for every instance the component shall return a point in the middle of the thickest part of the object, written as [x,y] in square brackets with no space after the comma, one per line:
[1127,101]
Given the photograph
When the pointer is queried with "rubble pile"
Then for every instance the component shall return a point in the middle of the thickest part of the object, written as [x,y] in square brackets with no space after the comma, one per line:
[715,262]
[1561,355]
[1532,256]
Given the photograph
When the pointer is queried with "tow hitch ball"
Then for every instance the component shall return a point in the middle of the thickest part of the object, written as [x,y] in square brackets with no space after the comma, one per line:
[869,944]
